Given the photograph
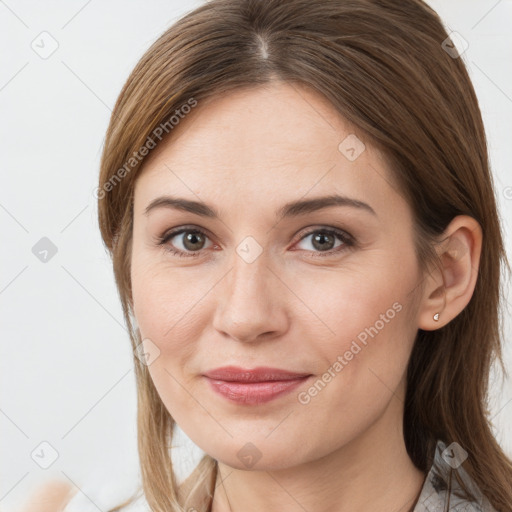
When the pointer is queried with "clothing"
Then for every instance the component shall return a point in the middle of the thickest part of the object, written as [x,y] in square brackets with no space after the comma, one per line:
[440,492]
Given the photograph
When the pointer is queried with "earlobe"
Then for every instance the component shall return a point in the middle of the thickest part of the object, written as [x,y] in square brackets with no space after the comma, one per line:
[449,288]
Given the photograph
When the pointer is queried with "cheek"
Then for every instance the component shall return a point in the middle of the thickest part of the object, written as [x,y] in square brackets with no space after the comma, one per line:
[361,366]
[170,307]
[366,328]
[168,304]
[166,307]
[357,303]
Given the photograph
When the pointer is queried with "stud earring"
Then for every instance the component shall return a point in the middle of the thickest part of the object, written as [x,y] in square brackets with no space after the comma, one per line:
[436,317]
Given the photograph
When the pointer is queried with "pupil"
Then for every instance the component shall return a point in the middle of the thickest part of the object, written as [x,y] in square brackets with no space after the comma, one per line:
[193,238]
[319,241]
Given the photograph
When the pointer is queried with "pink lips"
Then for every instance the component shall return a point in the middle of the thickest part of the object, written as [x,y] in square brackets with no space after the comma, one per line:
[253,386]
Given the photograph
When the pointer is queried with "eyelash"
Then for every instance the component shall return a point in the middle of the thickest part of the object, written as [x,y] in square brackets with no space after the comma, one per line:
[347,239]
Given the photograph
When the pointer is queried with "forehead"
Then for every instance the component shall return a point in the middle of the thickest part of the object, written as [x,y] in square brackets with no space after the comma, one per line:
[280,137]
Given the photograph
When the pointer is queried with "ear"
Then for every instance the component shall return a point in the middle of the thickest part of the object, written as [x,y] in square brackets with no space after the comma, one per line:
[448,290]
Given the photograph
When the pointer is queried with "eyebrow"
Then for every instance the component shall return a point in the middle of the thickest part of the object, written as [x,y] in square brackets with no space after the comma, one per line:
[291,209]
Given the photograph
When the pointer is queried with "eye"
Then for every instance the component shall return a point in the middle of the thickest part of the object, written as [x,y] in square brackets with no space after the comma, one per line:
[189,245]
[324,241]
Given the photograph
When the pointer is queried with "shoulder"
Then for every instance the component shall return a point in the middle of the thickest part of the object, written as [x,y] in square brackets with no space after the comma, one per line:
[96,494]
[51,496]
[106,494]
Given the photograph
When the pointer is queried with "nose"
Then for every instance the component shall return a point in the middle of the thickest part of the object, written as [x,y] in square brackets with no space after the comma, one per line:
[251,302]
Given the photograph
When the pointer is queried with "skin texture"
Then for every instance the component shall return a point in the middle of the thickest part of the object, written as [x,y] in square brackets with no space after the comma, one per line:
[247,154]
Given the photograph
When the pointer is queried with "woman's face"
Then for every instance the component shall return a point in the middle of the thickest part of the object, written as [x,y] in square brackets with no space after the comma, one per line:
[325,291]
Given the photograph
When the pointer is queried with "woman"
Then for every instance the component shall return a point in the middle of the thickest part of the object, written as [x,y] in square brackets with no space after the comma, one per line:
[297,199]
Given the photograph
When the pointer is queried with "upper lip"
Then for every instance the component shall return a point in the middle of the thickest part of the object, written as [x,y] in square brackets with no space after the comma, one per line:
[259,374]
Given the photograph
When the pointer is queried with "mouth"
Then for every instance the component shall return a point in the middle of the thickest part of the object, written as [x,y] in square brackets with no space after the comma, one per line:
[253,386]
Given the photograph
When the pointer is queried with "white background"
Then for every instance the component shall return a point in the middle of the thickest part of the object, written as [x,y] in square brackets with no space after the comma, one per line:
[66,371]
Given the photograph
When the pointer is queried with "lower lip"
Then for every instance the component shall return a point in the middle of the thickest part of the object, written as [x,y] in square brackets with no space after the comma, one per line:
[254,392]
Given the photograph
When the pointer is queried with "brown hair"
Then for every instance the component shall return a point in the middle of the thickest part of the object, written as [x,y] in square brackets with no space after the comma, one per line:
[382,65]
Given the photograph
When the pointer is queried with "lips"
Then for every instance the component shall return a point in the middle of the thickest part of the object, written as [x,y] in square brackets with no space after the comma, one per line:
[260,374]
[253,386]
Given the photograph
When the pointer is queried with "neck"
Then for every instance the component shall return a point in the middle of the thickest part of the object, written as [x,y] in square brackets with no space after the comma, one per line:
[371,472]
